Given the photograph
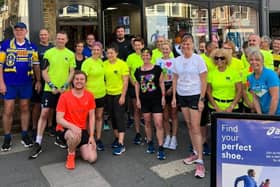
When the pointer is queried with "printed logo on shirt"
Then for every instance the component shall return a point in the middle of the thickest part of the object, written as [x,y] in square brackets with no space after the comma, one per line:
[11,58]
[147,83]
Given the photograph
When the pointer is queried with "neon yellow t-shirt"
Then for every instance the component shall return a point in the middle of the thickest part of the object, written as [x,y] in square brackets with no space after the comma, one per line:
[223,86]
[209,62]
[268,60]
[133,62]
[95,77]
[237,65]
[114,76]
[156,54]
[245,74]
[60,63]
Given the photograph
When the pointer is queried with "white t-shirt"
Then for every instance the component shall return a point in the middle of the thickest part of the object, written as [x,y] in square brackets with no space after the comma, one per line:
[166,66]
[188,71]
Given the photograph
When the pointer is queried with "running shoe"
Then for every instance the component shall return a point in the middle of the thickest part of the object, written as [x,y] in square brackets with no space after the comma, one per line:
[26,141]
[36,150]
[60,143]
[6,145]
[161,154]
[138,139]
[206,149]
[99,145]
[166,141]
[173,143]
[119,150]
[191,159]
[199,171]
[151,148]
[51,132]
[115,143]
[191,148]
[106,126]
[130,122]
[70,162]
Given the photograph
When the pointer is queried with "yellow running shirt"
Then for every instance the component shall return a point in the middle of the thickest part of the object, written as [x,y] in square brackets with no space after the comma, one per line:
[223,86]
[114,76]
[60,62]
[268,60]
[209,62]
[95,77]
[133,62]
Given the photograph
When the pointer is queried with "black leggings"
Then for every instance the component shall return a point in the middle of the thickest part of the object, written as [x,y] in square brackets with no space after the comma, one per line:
[117,112]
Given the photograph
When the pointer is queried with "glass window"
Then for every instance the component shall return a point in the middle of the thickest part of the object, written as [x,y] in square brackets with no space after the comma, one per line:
[161,8]
[178,18]
[234,23]
[176,9]
[72,9]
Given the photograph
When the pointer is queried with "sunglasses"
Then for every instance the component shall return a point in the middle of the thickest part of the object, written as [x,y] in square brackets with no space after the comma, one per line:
[219,58]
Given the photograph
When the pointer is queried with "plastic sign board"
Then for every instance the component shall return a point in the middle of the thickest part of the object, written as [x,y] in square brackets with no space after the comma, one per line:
[242,143]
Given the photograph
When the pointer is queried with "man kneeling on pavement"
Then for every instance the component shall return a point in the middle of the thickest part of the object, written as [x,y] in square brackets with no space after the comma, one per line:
[73,109]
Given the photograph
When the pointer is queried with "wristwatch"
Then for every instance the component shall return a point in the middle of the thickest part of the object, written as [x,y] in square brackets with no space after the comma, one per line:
[202,99]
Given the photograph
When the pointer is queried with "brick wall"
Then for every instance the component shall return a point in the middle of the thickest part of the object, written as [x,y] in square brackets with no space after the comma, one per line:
[50,13]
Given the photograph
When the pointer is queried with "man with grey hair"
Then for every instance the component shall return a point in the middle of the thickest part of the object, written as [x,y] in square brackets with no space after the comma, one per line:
[254,40]
[156,53]
[265,43]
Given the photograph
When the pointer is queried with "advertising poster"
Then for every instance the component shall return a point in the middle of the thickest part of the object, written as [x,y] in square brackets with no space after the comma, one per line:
[124,20]
[156,26]
[247,152]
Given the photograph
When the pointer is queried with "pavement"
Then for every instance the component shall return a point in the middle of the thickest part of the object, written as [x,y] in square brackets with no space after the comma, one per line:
[134,168]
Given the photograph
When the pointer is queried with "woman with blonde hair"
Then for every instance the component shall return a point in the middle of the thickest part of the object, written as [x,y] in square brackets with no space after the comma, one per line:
[263,84]
[224,85]
[166,64]
[189,82]
[94,69]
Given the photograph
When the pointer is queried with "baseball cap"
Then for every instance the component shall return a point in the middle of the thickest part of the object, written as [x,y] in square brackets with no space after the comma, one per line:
[20,25]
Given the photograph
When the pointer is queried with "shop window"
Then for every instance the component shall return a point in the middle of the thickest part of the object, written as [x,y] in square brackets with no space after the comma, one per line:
[170,19]
[161,8]
[176,9]
[234,23]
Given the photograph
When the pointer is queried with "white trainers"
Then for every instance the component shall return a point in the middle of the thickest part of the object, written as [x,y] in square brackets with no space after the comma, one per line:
[173,143]
[166,141]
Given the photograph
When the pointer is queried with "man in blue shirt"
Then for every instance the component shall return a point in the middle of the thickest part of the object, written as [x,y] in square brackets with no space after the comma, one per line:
[248,180]
[88,47]
[18,58]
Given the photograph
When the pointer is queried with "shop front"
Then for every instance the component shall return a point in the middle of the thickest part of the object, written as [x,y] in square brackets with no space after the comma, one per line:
[224,20]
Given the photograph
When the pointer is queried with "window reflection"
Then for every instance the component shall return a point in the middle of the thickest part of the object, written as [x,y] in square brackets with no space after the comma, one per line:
[171,19]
